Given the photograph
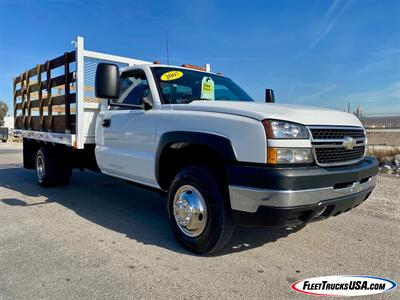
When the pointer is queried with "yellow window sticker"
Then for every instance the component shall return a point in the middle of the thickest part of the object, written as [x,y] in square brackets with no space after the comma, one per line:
[207,88]
[171,75]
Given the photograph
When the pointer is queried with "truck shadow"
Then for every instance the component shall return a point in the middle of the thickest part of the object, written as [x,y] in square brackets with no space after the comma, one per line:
[138,213]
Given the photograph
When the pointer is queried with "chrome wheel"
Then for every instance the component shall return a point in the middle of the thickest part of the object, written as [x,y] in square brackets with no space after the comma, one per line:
[190,211]
[40,168]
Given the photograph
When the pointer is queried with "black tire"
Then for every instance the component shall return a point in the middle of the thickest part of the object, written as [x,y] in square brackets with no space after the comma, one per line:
[55,167]
[4,141]
[219,226]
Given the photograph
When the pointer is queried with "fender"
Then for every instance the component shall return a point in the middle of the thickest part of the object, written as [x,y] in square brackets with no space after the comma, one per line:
[218,143]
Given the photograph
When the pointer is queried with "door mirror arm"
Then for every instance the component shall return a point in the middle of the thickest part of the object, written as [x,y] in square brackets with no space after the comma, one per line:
[112,103]
[146,103]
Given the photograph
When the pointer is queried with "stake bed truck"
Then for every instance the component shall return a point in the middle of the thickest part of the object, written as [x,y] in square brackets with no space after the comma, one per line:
[220,157]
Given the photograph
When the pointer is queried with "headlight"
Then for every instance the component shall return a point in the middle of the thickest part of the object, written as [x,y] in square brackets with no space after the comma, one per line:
[289,156]
[284,130]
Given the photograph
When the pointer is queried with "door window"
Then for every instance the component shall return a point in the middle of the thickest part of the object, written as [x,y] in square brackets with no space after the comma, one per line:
[134,87]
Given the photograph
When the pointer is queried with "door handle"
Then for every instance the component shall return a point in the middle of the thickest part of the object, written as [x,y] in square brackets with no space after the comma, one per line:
[106,123]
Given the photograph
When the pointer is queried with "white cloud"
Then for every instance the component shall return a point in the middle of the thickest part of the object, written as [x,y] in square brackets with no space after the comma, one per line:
[328,21]
[321,92]
[384,59]
[383,100]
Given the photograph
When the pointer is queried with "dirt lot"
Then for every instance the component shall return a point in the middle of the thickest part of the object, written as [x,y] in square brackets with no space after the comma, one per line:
[103,238]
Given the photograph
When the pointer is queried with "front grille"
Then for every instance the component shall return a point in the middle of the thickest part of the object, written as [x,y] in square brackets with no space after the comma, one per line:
[331,145]
[336,133]
[338,155]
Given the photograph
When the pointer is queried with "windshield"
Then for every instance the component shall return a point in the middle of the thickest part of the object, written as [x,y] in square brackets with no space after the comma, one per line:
[180,86]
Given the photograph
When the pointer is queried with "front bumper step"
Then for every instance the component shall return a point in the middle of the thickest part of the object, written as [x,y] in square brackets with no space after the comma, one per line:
[267,216]
[292,196]
[250,199]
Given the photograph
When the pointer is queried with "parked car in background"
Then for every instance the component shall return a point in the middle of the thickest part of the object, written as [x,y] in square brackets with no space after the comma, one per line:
[4,134]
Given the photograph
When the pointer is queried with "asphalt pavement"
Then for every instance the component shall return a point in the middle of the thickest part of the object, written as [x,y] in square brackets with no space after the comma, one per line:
[102,238]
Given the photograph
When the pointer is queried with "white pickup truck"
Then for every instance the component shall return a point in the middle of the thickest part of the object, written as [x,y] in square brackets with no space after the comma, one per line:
[220,157]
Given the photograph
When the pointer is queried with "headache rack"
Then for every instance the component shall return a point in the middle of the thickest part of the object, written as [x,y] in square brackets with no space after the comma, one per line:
[55,101]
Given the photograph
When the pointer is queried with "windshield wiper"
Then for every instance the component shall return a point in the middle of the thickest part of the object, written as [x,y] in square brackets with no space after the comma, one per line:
[197,99]
[188,100]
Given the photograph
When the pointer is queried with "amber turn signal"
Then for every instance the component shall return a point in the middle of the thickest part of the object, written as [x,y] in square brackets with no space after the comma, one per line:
[272,156]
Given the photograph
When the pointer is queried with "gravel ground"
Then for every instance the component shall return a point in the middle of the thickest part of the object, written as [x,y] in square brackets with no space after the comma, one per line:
[385,199]
[101,238]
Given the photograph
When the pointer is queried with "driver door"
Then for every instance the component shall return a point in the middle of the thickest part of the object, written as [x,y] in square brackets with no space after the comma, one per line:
[126,147]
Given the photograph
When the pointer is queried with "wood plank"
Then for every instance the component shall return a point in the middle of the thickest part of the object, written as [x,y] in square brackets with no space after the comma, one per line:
[56,100]
[40,94]
[55,82]
[18,123]
[59,61]
[54,63]
[58,123]
[57,109]
[18,93]
[49,125]
[23,97]
[58,82]
[66,92]
[27,120]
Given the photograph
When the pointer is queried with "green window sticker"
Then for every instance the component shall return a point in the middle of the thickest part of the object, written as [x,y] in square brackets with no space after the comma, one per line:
[207,88]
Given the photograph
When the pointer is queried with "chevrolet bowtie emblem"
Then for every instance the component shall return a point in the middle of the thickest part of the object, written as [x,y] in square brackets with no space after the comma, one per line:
[349,142]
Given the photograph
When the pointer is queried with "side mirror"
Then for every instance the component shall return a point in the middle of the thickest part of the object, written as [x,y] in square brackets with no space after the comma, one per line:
[269,96]
[107,81]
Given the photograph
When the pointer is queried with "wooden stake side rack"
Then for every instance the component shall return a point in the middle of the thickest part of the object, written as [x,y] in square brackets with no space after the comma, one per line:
[55,102]
[33,109]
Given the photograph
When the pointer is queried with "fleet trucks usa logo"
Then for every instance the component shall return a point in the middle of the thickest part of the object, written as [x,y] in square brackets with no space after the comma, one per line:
[343,285]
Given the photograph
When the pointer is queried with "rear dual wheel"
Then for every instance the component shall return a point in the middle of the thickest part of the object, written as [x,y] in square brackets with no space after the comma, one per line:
[52,167]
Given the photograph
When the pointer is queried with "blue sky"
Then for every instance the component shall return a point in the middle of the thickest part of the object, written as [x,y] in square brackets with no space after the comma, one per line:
[316,52]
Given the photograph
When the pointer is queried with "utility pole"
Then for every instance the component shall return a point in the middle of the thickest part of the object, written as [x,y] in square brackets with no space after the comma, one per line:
[359,111]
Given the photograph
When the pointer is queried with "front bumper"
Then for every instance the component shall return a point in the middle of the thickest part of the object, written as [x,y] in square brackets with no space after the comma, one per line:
[271,196]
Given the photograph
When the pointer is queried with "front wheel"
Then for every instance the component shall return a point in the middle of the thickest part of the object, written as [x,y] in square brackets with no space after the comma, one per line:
[199,211]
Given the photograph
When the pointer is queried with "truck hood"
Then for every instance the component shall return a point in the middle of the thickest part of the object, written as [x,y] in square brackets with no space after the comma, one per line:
[307,115]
